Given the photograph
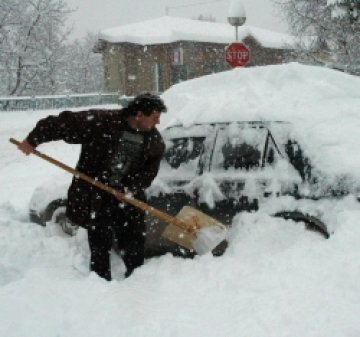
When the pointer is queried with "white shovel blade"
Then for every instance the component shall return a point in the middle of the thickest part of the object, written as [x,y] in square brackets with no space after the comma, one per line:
[201,232]
[208,238]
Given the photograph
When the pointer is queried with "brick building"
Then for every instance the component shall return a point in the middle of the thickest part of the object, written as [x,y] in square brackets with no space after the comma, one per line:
[155,54]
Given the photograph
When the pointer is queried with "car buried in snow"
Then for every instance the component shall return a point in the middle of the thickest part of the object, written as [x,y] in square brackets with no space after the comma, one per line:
[220,168]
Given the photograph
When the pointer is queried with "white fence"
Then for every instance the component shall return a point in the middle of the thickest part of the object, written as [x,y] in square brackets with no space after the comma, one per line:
[59,101]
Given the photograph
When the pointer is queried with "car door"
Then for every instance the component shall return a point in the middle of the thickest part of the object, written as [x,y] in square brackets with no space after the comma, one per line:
[183,163]
[235,160]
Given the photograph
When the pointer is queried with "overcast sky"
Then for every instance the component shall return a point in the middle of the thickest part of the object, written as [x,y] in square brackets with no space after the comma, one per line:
[96,15]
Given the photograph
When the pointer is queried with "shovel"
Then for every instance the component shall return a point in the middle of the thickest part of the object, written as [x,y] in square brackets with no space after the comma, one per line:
[190,228]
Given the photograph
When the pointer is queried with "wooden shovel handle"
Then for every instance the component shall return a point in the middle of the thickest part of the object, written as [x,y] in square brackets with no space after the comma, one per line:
[119,195]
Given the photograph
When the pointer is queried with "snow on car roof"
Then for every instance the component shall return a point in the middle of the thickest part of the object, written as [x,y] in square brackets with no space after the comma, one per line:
[321,103]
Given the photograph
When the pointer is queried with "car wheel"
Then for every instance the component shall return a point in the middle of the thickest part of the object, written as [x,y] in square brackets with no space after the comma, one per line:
[312,223]
[68,227]
[48,213]
[56,212]
[45,215]
[36,217]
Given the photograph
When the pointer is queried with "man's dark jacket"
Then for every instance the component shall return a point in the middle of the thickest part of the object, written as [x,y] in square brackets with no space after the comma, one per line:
[99,132]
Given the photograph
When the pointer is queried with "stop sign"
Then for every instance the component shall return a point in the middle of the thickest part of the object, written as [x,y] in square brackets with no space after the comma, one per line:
[237,54]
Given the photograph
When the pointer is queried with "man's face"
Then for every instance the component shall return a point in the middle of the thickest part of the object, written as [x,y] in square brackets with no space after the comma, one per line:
[146,123]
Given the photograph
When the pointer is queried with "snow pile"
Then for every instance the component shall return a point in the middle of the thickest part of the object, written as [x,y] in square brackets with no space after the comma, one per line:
[276,279]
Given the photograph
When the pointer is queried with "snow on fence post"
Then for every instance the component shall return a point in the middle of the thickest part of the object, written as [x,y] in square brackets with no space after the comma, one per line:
[33,103]
[68,101]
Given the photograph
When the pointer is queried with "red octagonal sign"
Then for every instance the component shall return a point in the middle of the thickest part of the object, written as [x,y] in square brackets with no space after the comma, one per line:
[237,54]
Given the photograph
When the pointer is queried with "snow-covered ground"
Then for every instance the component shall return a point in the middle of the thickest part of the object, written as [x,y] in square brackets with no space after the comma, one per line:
[275,279]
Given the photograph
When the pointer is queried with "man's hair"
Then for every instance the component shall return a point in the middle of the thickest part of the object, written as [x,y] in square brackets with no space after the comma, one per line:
[145,102]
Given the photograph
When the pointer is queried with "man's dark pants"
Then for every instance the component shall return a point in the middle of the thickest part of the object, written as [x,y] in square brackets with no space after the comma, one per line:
[122,225]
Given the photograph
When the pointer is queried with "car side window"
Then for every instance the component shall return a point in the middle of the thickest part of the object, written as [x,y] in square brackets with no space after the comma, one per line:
[240,156]
[183,150]
[238,147]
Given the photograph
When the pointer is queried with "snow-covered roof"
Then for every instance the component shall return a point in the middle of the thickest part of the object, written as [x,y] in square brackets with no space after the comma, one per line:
[168,29]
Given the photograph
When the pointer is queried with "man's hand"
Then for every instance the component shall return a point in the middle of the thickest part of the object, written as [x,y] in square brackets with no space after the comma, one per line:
[25,147]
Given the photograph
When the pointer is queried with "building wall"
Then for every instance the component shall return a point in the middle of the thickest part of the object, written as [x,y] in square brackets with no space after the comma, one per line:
[203,59]
[260,55]
[114,67]
[132,68]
